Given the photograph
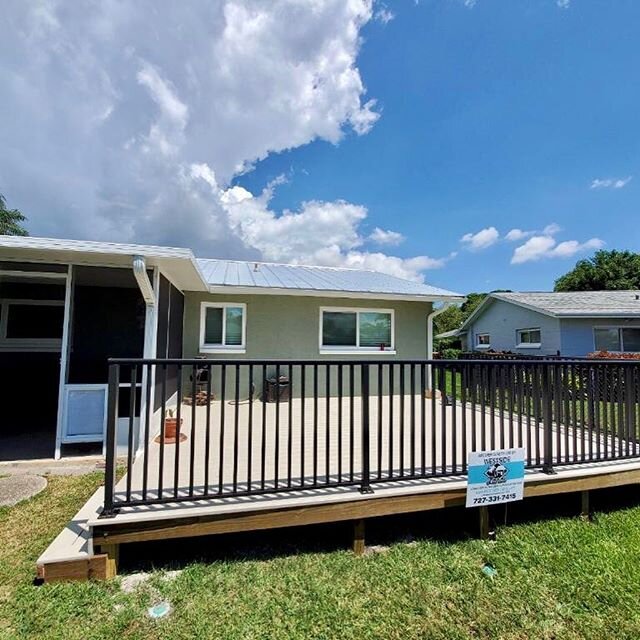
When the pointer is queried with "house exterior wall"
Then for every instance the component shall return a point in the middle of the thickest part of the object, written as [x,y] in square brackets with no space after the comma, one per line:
[287,327]
[577,337]
[502,320]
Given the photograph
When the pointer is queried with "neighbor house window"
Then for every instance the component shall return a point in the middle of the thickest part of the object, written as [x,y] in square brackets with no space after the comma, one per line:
[222,327]
[347,330]
[528,338]
[617,339]
[483,340]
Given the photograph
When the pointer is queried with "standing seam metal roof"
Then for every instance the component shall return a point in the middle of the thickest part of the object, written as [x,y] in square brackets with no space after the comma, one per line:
[232,273]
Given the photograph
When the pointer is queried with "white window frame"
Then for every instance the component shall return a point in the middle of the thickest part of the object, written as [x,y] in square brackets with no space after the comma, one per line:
[222,348]
[483,346]
[26,344]
[528,345]
[346,350]
[619,328]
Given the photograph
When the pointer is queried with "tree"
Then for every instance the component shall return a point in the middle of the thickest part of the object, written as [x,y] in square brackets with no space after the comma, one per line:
[605,271]
[11,220]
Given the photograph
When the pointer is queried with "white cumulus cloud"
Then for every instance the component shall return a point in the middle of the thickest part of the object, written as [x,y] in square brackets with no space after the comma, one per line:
[321,233]
[132,118]
[481,239]
[386,237]
[539,247]
[610,183]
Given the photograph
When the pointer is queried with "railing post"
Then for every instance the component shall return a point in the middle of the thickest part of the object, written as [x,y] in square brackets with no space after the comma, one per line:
[547,419]
[108,510]
[365,486]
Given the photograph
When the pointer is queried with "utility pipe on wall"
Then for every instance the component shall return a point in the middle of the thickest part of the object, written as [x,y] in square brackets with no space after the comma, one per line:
[430,317]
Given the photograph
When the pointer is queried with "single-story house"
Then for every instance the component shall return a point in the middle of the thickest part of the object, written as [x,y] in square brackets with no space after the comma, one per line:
[66,306]
[559,323]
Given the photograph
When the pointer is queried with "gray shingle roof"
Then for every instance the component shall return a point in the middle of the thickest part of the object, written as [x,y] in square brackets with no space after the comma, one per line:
[261,275]
[579,303]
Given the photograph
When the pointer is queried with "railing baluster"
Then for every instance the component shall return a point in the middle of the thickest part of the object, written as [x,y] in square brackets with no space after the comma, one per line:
[163,416]
[263,437]
[303,428]
[277,436]
[315,425]
[290,427]
[111,444]
[251,386]
[132,412]
[327,426]
[365,485]
[236,425]
[207,445]
[402,420]
[147,422]
[176,467]
[223,388]
[192,452]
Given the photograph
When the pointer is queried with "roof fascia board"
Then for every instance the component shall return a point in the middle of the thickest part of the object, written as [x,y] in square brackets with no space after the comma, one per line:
[357,295]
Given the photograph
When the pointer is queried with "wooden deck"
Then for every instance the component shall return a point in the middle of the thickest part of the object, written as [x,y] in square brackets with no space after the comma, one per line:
[431,447]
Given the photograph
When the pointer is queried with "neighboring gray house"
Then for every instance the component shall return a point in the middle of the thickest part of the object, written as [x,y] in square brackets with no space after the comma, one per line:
[66,306]
[565,323]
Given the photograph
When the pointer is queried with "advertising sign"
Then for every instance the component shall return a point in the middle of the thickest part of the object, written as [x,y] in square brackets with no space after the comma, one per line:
[495,477]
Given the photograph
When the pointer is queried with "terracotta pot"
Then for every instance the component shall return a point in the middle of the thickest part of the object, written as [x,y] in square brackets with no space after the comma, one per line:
[171,428]
[171,432]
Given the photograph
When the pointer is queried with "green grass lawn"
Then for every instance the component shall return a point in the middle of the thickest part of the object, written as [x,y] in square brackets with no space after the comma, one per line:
[558,578]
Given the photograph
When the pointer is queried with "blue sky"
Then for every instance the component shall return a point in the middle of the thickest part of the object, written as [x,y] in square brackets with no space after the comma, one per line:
[500,114]
[474,145]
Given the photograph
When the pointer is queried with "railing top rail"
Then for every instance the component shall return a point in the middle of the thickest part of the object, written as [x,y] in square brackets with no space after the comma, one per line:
[364,360]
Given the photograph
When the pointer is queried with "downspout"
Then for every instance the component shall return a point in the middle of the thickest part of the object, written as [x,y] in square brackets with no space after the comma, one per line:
[140,273]
[149,297]
[430,317]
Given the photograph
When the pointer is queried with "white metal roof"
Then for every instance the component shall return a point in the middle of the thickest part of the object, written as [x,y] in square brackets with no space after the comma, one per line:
[233,276]
[259,277]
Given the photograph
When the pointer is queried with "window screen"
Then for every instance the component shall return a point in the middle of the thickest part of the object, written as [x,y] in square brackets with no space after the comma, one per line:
[35,321]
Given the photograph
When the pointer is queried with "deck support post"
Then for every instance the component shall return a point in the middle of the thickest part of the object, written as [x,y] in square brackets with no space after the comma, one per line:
[358,536]
[585,509]
[483,513]
[112,552]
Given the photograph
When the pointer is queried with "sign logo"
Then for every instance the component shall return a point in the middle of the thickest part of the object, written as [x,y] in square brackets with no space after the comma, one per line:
[495,477]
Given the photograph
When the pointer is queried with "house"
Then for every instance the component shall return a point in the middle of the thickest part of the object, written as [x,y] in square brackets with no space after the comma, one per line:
[66,306]
[565,323]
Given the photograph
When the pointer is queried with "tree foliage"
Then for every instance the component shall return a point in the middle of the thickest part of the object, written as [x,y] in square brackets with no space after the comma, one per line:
[11,220]
[605,271]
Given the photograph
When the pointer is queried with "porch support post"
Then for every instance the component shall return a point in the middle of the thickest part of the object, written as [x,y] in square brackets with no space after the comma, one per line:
[64,357]
[358,536]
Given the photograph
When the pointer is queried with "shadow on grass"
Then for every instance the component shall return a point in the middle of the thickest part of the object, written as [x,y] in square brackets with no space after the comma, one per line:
[445,526]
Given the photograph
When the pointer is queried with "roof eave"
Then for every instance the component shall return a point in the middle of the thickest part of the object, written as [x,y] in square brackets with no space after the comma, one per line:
[329,293]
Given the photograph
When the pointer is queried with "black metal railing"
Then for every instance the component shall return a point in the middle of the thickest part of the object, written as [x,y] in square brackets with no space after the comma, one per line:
[248,427]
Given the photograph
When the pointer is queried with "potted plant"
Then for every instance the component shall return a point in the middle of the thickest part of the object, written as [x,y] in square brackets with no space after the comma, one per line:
[171,430]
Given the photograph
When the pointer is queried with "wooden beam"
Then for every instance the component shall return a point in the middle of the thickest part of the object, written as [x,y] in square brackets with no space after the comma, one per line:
[114,532]
[93,567]
[271,519]
[112,554]
[358,536]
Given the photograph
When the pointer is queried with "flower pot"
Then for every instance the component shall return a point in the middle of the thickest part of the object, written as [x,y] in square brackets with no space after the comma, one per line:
[171,431]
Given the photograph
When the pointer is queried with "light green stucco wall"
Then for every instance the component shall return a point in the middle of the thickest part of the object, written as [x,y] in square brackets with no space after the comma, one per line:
[287,326]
